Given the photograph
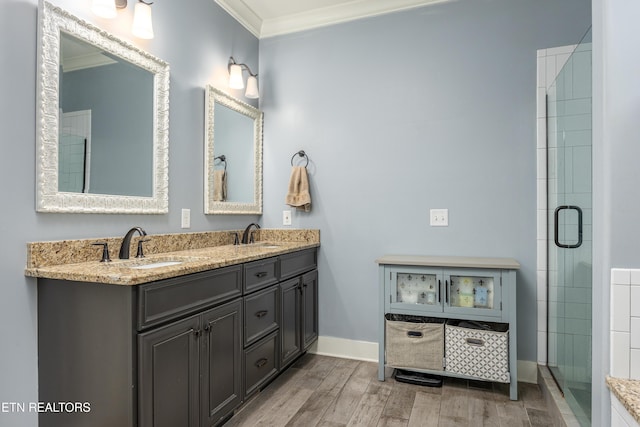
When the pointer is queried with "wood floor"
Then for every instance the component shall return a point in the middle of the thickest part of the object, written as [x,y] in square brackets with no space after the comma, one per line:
[326,391]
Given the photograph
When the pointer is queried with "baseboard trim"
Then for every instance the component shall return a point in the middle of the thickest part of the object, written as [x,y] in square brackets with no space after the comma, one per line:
[368,351]
[346,349]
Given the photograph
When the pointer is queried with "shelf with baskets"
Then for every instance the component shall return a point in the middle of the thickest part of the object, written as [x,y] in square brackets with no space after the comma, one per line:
[459,310]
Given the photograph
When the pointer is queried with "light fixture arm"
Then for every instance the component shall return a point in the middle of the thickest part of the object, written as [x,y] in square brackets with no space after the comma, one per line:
[242,66]
[122,4]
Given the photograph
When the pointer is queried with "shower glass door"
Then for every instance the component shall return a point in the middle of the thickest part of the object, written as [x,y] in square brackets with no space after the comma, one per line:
[570,230]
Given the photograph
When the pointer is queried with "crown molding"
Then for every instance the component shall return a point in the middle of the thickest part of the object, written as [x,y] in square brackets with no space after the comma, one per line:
[243,14]
[317,17]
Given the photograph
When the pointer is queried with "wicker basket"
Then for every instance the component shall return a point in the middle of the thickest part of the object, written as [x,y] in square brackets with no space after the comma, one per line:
[414,345]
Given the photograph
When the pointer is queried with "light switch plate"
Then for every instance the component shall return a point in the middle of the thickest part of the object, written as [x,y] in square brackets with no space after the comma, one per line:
[439,217]
[186,218]
[286,217]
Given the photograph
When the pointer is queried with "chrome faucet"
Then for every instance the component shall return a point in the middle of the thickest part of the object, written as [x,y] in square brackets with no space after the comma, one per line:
[247,236]
[126,242]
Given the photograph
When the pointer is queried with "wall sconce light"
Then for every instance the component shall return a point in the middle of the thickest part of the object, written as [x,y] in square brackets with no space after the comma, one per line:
[142,23]
[105,8]
[236,81]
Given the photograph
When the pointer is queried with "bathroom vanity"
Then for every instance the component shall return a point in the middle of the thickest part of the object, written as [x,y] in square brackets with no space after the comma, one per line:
[450,296]
[184,350]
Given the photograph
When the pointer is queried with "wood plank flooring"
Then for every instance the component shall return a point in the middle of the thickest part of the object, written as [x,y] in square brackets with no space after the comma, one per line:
[330,392]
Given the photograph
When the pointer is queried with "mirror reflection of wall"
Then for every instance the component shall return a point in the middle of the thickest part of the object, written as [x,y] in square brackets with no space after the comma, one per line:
[233,136]
[120,98]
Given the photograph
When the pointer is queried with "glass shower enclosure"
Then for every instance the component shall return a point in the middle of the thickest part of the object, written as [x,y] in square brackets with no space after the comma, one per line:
[569,248]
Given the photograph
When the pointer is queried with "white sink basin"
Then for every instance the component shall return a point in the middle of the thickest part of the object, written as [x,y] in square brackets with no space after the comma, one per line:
[263,245]
[157,265]
[151,263]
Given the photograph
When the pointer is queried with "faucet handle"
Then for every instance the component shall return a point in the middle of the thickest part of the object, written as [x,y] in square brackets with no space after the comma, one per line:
[105,251]
[140,254]
[236,239]
[252,237]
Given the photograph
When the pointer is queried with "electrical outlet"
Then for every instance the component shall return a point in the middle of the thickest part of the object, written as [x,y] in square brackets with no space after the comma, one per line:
[186,218]
[286,217]
[439,217]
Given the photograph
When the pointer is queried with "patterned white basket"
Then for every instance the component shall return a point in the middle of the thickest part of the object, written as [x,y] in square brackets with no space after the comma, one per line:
[477,353]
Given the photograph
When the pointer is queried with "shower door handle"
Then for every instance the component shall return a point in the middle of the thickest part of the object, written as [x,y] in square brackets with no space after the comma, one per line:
[555,226]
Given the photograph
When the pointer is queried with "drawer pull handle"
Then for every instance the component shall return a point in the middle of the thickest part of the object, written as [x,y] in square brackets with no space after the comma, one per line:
[261,313]
[260,363]
[414,334]
[475,341]
[261,274]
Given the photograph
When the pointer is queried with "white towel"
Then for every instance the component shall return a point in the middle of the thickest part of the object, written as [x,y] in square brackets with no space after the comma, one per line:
[219,185]
[298,195]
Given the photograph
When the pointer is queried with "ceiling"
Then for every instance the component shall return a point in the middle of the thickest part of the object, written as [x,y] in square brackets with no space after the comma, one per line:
[267,18]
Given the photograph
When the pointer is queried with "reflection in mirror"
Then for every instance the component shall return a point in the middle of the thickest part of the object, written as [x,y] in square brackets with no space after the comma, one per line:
[103,117]
[98,91]
[233,130]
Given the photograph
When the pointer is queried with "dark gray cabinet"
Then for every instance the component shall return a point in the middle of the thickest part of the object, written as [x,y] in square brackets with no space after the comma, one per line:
[221,362]
[290,336]
[309,306]
[299,315]
[169,375]
[185,351]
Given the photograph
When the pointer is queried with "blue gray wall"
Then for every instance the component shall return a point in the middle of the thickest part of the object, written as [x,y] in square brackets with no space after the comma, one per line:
[616,150]
[196,41]
[428,108]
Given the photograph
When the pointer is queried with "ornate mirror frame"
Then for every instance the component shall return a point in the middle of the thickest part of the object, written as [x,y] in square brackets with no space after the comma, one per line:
[51,21]
[216,96]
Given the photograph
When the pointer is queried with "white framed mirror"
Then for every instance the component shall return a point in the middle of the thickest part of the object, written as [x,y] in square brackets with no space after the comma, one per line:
[233,155]
[103,121]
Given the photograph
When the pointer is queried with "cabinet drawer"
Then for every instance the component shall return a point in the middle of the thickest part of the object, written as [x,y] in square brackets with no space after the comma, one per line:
[168,299]
[260,363]
[260,314]
[260,274]
[297,263]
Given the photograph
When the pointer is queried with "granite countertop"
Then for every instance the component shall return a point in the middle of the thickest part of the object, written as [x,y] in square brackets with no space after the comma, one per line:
[66,260]
[628,393]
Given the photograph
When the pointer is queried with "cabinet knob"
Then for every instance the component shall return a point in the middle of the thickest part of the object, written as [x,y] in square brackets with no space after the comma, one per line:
[206,327]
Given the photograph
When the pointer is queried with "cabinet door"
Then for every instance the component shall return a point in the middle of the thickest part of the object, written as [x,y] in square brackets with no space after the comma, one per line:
[221,365]
[473,292]
[290,320]
[168,359]
[309,308]
[414,290]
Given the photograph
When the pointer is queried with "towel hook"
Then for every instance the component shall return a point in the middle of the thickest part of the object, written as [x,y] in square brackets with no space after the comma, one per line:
[301,153]
[223,159]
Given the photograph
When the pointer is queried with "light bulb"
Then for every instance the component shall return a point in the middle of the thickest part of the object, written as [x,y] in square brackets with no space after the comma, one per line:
[142,23]
[235,77]
[252,88]
[104,8]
